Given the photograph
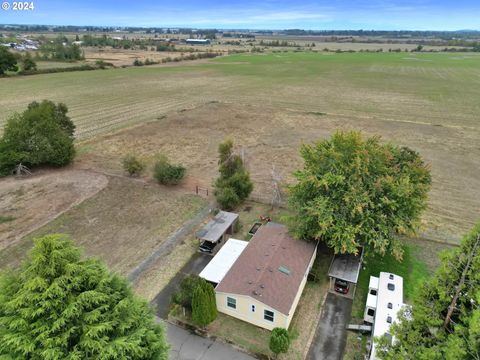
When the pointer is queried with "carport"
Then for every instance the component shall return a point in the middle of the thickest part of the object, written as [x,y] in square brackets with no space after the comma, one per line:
[217,229]
[345,268]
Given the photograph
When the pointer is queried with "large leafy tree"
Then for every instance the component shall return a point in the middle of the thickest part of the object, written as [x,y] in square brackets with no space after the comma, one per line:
[41,135]
[444,321]
[8,61]
[233,185]
[58,306]
[358,192]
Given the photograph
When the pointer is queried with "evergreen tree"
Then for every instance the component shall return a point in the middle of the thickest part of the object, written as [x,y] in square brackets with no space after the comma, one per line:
[279,341]
[204,308]
[444,321]
[353,192]
[58,306]
[233,185]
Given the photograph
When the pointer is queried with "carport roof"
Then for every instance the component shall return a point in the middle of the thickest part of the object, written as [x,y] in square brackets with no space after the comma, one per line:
[217,226]
[346,267]
[223,260]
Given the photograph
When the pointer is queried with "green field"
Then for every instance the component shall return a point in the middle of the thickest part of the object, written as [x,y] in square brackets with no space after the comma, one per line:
[274,102]
[431,88]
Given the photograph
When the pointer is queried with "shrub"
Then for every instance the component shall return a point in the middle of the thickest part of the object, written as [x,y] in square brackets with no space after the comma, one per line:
[132,165]
[184,294]
[279,341]
[167,173]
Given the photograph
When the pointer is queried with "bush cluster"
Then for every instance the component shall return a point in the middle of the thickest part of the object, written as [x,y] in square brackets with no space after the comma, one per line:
[166,173]
[132,165]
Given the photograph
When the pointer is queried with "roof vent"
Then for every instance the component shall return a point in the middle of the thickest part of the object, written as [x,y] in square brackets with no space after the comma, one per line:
[391,276]
[391,286]
[258,269]
[389,319]
[390,305]
[250,281]
[262,286]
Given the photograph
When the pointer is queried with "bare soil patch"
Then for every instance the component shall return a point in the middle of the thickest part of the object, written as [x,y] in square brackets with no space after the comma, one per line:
[34,201]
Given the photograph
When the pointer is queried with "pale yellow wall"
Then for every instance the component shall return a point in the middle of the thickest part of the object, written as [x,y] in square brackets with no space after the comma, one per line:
[243,311]
[244,303]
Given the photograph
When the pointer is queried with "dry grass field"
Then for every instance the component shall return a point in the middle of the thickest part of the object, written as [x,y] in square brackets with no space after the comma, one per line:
[272,103]
[121,224]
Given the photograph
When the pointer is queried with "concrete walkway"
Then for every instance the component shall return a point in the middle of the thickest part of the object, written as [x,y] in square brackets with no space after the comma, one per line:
[331,334]
[185,345]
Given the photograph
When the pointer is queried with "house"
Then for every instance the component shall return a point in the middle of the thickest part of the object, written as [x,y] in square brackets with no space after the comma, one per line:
[343,273]
[198,41]
[384,300]
[216,230]
[264,284]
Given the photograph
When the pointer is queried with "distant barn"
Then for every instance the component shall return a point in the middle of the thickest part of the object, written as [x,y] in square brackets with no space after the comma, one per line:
[198,41]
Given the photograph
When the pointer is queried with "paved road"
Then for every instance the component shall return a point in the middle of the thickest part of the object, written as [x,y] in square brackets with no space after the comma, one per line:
[195,265]
[331,333]
[187,346]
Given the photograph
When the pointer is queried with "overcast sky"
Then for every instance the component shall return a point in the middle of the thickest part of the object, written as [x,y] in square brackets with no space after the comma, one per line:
[251,14]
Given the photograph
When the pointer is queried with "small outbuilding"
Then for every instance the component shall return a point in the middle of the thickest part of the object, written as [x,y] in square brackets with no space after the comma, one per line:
[343,273]
[217,230]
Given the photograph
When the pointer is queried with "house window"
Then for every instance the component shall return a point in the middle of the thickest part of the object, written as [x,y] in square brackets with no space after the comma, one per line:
[373,292]
[231,302]
[253,308]
[268,315]
[390,305]
[370,312]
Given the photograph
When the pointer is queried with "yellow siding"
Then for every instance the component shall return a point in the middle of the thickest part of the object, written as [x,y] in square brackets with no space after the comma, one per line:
[244,304]
[244,312]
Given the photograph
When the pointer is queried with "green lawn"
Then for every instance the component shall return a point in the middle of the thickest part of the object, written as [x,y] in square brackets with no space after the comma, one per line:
[412,269]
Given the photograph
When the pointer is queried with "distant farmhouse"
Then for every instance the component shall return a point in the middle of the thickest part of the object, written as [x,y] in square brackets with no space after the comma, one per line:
[198,41]
[261,281]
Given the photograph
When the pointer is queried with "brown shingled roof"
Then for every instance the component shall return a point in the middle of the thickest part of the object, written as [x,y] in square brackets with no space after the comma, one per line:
[261,270]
